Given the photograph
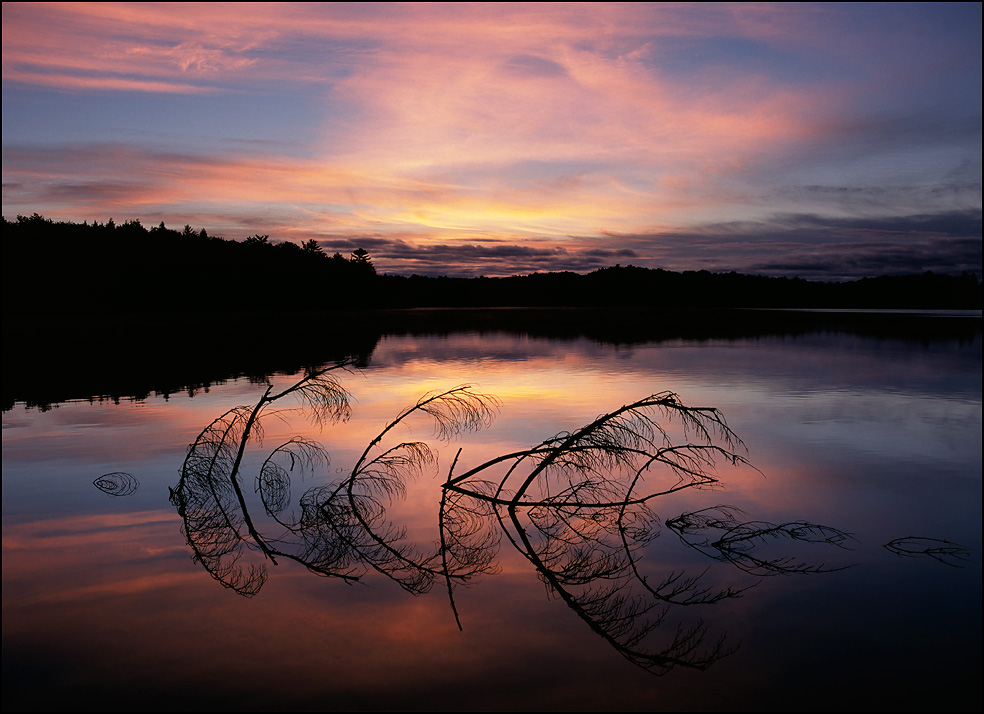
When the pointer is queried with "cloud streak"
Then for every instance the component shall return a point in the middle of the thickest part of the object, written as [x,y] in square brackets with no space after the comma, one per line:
[568,130]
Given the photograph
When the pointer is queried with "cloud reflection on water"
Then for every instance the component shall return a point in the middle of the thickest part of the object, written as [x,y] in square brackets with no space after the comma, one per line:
[305,639]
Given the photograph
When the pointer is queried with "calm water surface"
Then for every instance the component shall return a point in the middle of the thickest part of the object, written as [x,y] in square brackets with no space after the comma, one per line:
[104,607]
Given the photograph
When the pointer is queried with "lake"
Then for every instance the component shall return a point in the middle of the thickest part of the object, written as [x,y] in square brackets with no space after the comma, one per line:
[767,588]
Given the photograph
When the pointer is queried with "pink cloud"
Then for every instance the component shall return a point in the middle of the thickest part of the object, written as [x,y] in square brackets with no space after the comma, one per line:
[447,121]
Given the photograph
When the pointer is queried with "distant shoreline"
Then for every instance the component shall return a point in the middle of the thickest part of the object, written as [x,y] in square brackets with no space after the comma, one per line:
[51,267]
[52,358]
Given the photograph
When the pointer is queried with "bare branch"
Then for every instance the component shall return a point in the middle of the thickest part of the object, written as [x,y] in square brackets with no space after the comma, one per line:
[720,534]
[944,551]
[579,506]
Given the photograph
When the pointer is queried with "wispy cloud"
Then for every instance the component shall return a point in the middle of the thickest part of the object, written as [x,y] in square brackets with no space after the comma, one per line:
[558,127]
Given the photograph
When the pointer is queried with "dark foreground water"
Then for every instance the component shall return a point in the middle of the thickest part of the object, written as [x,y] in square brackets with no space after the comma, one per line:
[571,606]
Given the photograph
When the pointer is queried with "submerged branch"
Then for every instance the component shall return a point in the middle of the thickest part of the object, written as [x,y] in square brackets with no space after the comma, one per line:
[944,551]
[578,506]
[720,533]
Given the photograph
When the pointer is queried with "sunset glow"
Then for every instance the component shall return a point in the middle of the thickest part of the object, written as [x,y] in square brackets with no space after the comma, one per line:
[821,140]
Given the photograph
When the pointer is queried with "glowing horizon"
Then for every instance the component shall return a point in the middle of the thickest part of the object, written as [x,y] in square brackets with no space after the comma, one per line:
[819,140]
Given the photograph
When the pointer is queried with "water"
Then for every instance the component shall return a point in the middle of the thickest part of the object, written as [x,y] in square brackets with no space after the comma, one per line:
[879,439]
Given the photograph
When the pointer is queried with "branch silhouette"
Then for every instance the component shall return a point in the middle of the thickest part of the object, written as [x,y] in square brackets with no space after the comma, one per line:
[721,533]
[578,506]
[944,551]
[209,497]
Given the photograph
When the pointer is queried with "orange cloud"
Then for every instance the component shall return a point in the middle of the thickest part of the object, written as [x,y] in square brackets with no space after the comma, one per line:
[448,122]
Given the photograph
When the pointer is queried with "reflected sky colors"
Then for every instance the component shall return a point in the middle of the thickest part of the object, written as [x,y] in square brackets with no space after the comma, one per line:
[811,139]
[882,440]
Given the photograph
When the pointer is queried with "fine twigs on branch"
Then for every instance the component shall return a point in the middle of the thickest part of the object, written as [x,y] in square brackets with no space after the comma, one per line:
[581,507]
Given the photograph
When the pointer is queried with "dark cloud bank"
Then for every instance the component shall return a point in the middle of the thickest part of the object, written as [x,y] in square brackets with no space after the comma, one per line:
[803,246]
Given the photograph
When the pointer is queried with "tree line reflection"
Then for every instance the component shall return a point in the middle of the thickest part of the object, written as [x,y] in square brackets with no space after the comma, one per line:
[581,508]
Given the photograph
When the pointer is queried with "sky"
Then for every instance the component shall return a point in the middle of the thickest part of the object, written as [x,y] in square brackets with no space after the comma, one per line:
[826,141]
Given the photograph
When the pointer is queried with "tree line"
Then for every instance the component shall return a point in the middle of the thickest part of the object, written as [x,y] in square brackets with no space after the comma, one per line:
[53,266]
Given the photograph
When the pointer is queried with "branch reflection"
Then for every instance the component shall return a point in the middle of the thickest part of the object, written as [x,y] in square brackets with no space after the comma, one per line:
[940,550]
[117,483]
[579,507]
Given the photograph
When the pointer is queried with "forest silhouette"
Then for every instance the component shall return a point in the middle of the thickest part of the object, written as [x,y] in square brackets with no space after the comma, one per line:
[157,310]
[53,266]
